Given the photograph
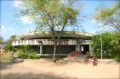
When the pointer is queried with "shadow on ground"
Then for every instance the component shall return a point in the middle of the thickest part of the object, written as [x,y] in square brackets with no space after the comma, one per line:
[6,65]
[33,76]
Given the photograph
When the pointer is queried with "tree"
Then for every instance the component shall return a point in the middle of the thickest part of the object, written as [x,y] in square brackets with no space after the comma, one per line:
[8,44]
[109,16]
[117,38]
[110,47]
[12,38]
[51,14]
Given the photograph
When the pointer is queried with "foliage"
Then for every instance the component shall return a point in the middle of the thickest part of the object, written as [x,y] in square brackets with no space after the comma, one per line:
[117,37]
[109,16]
[33,56]
[110,48]
[27,52]
[26,48]
[22,54]
[8,44]
[30,55]
[9,47]
[49,14]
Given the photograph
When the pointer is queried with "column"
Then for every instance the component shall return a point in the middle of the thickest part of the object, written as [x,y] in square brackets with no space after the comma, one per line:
[78,47]
[41,47]
[82,48]
[90,50]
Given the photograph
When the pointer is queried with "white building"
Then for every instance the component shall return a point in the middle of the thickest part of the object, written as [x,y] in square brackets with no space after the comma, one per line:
[42,42]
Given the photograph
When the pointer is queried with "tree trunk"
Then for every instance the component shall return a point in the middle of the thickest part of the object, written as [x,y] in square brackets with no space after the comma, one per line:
[54,54]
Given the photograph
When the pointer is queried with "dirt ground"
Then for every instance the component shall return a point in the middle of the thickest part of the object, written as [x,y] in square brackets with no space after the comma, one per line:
[41,69]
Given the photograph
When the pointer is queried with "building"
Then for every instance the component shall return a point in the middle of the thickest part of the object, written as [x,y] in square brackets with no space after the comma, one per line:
[43,44]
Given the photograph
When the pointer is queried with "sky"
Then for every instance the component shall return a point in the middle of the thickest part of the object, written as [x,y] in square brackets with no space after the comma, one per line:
[11,25]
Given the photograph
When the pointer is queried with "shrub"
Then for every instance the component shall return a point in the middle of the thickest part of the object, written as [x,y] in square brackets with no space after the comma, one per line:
[22,54]
[33,56]
[30,55]
[36,56]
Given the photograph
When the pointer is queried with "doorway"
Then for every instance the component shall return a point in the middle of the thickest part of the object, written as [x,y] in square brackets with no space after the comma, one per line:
[84,49]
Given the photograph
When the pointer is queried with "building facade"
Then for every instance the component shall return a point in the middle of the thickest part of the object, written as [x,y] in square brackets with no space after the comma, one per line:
[43,44]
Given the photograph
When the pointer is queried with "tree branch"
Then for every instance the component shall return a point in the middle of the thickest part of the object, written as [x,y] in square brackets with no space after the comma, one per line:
[63,27]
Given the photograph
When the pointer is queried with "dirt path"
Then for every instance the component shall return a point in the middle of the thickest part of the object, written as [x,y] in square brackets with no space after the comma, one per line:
[35,69]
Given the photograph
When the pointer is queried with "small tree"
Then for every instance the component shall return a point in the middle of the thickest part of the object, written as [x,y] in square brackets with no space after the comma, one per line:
[51,14]
[9,47]
[8,44]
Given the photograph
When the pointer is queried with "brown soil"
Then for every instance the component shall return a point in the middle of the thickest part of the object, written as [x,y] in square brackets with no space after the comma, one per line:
[44,69]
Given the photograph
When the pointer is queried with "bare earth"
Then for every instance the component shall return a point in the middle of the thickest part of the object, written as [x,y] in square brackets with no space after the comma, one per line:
[41,69]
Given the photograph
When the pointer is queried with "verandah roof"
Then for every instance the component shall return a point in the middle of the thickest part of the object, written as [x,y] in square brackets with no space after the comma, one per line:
[47,34]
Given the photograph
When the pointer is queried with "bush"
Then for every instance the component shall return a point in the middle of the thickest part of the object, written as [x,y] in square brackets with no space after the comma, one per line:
[33,56]
[22,54]
[9,47]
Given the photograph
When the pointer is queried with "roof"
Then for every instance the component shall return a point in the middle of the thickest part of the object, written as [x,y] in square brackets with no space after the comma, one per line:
[47,34]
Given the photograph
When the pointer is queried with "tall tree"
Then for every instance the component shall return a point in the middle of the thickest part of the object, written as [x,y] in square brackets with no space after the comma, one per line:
[51,14]
[109,16]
